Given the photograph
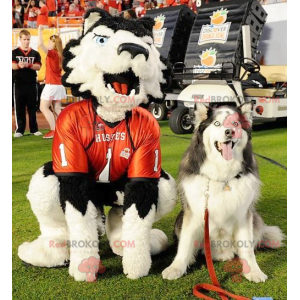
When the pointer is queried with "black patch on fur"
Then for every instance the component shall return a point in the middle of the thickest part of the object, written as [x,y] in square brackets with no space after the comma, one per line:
[79,190]
[164,175]
[195,155]
[143,194]
[48,169]
[76,190]
[140,27]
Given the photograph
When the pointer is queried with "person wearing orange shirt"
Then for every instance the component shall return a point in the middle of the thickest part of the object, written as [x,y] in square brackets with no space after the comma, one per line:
[72,11]
[42,18]
[51,5]
[53,91]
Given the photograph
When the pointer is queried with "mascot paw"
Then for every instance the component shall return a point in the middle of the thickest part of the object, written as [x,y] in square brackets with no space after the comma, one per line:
[136,266]
[39,253]
[256,276]
[75,273]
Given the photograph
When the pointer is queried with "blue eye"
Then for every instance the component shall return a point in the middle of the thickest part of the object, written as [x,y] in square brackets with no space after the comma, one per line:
[101,40]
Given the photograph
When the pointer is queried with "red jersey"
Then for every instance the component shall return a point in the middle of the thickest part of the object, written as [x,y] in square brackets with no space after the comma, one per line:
[32,14]
[42,18]
[53,70]
[51,5]
[83,143]
[113,4]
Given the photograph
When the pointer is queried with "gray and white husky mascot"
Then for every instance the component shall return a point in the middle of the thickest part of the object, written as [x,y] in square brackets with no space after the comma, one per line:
[105,152]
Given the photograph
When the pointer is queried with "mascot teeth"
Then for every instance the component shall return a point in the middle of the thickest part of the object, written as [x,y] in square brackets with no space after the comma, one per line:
[126,83]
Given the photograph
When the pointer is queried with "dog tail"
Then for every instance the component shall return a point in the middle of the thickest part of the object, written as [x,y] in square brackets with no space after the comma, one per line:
[272,237]
[266,236]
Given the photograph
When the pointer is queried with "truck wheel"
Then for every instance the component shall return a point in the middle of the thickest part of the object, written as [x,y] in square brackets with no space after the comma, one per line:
[180,121]
[162,111]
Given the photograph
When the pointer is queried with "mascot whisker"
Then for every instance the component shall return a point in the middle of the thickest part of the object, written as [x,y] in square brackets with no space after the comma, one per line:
[106,151]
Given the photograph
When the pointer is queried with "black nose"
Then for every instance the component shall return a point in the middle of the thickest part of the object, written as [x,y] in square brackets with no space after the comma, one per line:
[228,133]
[133,49]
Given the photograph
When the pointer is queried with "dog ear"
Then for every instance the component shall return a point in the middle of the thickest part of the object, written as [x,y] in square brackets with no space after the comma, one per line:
[201,113]
[92,16]
[147,23]
[246,110]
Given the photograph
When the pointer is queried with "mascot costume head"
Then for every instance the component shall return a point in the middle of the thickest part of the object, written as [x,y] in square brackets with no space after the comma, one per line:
[115,63]
[106,151]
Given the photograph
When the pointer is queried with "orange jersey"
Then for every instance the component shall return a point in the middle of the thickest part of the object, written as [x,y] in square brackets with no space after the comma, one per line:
[84,144]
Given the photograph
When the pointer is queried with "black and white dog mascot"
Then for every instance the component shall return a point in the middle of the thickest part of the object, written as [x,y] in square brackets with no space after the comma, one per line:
[106,151]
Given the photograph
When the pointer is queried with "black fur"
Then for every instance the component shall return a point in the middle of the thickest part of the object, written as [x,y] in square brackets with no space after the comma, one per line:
[195,155]
[119,23]
[76,190]
[48,170]
[143,194]
[164,175]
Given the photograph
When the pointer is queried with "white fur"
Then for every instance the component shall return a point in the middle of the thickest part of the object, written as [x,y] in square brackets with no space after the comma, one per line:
[167,197]
[137,259]
[43,195]
[88,67]
[82,228]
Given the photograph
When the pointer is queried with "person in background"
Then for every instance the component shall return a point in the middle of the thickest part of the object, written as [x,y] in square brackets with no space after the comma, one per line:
[19,13]
[65,4]
[25,63]
[53,91]
[126,4]
[78,6]
[14,23]
[129,14]
[72,11]
[31,9]
[62,13]
[42,18]
[113,6]
[52,9]
[102,4]
[86,7]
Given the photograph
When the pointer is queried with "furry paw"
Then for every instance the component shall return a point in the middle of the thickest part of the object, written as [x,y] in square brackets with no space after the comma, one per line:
[256,276]
[39,253]
[136,266]
[75,273]
[172,273]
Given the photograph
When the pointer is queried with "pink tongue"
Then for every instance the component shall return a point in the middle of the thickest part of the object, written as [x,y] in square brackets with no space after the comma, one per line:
[227,150]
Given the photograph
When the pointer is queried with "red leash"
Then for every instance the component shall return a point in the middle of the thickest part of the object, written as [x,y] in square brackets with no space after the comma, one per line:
[215,286]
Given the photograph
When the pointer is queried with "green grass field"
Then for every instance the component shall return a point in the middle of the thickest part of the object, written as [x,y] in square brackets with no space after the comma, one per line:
[31,152]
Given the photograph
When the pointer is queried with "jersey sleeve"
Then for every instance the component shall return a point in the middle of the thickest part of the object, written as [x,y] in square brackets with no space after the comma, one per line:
[146,160]
[68,153]
[38,59]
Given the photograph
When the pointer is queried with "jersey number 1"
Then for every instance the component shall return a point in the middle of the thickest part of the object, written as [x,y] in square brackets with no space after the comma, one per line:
[104,176]
[64,162]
